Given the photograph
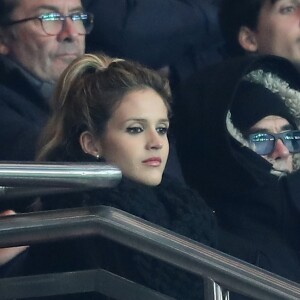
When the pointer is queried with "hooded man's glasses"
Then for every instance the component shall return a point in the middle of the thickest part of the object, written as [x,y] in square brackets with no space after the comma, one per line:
[53,23]
[263,143]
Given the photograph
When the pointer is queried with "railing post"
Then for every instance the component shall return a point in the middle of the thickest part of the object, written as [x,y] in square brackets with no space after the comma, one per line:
[213,291]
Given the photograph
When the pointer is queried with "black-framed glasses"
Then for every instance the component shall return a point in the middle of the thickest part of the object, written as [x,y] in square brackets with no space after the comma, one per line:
[263,143]
[53,23]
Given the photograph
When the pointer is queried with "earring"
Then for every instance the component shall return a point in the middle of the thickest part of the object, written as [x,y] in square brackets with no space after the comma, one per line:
[98,156]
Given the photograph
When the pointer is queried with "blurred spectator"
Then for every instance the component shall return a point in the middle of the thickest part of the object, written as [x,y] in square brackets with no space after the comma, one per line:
[261,27]
[35,47]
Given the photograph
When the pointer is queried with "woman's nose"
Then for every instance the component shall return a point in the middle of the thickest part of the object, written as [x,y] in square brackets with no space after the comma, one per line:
[155,141]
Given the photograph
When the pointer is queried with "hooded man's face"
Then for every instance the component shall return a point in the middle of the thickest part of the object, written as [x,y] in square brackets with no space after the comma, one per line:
[280,157]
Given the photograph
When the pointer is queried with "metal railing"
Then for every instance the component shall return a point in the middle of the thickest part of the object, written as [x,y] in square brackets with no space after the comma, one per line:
[79,282]
[220,271]
[30,179]
[218,268]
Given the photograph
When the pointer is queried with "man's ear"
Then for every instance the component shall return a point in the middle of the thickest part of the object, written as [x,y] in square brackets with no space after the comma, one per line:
[247,39]
[89,144]
[4,49]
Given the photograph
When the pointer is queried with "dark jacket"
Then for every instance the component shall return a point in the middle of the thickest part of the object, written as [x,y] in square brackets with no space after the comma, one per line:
[257,208]
[156,33]
[23,111]
[170,205]
[181,34]
[24,108]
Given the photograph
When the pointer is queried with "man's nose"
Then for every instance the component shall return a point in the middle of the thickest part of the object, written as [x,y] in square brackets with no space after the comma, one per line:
[68,30]
[280,150]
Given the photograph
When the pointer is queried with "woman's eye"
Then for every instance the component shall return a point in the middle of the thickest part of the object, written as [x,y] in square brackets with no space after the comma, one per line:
[134,130]
[288,9]
[162,130]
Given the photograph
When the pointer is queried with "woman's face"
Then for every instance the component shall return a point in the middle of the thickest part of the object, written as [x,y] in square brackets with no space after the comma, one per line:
[136,139]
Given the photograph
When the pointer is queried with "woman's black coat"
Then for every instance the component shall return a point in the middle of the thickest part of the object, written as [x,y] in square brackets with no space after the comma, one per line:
[170,205]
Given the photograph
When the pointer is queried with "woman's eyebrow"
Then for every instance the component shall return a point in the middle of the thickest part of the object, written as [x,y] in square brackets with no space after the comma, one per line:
[144,120]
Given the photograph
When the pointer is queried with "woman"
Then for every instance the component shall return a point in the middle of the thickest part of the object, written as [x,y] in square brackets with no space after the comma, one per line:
[118,111]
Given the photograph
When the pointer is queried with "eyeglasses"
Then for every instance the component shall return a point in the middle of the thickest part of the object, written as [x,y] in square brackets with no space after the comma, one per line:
[264,143]
[53,23]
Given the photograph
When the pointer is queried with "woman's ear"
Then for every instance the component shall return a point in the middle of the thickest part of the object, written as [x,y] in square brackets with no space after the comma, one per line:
[89,144]
[247,39]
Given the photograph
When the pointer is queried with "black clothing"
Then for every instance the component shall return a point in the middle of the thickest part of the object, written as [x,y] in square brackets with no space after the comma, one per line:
[170,205]
[255,102]
[257,208]
[181,34]
[156,33]
[24,109]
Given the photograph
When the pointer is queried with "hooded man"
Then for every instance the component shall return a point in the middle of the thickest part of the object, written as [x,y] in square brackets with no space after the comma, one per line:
[238,142]
[262,112]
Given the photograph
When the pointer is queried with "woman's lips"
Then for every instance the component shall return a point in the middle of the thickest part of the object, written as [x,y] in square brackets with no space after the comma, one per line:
[152,161]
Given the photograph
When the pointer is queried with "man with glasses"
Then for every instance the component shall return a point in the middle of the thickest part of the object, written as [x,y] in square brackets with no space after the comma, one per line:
[275,140]
[38,40]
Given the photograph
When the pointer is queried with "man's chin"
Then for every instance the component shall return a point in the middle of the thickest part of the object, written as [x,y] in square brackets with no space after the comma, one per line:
[65,60]
[59,67]
[282,167]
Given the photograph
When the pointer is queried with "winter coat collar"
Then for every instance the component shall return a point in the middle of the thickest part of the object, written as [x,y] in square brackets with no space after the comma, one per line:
[44,88]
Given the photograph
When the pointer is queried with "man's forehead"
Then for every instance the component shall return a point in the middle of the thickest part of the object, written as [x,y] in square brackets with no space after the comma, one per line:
[51,5]
[268,123]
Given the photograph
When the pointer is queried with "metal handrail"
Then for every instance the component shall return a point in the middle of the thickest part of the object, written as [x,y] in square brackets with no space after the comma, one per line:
[99,281]
[233,274]
[19,179]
